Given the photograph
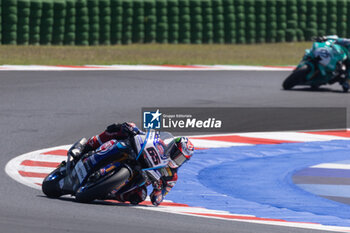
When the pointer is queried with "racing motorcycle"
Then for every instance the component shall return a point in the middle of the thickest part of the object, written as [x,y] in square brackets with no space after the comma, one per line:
[118,174]
[322,64]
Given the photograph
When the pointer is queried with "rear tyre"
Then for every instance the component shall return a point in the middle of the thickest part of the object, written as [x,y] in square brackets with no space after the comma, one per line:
[297,77]
[50,185]
[100,189]
[315,87]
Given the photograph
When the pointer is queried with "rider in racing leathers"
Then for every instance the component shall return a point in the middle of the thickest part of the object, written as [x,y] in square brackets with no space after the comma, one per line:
[178,156]
[344,42]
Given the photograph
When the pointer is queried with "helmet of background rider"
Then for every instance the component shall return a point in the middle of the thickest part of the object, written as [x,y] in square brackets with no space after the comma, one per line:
[181,152]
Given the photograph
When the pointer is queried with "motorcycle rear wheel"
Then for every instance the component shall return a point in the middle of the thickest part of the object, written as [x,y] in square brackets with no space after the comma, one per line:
[297,77]
[101,188]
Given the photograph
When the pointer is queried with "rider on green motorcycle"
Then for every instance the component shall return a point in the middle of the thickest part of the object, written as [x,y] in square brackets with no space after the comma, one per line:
[345,43]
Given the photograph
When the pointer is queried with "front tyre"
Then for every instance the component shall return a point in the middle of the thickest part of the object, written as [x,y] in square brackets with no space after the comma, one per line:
[297,77]
[50,185]
[100,188]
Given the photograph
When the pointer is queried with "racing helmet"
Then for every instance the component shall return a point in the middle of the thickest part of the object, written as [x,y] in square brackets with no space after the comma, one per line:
[181,152]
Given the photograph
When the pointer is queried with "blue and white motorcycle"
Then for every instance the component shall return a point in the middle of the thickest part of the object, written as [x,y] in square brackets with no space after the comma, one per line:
[118,174]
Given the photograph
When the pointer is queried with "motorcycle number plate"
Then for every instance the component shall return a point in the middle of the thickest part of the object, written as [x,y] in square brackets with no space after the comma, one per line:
[80,171]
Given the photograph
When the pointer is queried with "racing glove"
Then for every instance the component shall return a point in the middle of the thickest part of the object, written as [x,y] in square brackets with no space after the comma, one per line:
[130,129]
[123,130]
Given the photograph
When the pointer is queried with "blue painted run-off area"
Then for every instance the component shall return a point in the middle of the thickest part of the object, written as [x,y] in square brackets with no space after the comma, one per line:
[257,180]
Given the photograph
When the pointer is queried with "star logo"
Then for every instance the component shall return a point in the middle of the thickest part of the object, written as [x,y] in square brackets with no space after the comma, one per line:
[151,120]
[156,115]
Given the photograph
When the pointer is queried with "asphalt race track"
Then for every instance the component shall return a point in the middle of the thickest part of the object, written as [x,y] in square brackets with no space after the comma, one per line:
[46,109]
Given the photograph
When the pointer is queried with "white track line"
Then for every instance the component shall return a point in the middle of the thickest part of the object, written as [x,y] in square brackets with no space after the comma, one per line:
[48,158]
[46,170]
[293,136]
[201,143]
[313,226]
[142,68]
[332,166]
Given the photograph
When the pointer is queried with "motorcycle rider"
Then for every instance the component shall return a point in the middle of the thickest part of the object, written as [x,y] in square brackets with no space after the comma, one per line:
[345,43]
[180,153]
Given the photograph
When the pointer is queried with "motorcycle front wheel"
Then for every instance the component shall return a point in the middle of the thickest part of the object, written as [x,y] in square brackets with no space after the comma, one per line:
[100,188]
[296,78]
[50,185]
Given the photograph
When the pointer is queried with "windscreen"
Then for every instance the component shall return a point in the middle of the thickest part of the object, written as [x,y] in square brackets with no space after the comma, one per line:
[168,140]
[154,147]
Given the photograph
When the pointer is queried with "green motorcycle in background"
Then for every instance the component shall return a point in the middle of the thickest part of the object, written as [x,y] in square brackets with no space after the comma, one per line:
[323,64]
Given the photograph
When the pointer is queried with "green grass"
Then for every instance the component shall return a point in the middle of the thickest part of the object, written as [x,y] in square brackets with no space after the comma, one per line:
[257,54]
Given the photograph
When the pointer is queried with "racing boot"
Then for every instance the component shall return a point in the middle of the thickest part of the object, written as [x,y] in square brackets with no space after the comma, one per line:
[345,85]
[134,196]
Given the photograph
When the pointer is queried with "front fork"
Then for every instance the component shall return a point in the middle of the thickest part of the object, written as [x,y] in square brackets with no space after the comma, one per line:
[313,71]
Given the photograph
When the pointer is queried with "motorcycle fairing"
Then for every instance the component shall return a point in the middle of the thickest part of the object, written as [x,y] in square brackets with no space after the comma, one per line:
[328,55]
[152,149]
